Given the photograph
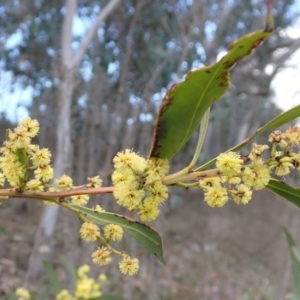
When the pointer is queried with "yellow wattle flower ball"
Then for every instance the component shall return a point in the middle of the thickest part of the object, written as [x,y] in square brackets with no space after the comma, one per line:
[101,256]
[64,182]
[80,199]
[256,176]
[129,266]
[128,158]
[229,164]
[82,270]
[148,211]
[89,232]
[113,232]
[40,157]
[31,126]
[22,294]
[64,295]
[94,182]
[242,195]
[216,196]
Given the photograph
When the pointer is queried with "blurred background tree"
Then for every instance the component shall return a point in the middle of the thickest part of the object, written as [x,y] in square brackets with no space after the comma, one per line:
[116,81]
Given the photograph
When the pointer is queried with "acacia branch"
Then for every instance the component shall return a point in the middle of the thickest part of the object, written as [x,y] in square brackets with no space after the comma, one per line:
[105,12]
[54,196]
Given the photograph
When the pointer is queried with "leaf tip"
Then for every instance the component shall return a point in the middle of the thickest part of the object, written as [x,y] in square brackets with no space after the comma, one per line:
[269,21]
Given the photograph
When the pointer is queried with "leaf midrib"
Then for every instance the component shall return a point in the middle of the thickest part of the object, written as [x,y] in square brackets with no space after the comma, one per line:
[125,226]
[199,102]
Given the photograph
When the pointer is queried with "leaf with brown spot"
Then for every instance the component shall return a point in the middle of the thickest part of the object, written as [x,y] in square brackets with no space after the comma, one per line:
[185,103]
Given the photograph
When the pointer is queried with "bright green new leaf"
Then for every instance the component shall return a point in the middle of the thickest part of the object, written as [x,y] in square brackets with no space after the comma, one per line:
[185,103]
[143,233]
[278,121]
[285,191]
[295,262]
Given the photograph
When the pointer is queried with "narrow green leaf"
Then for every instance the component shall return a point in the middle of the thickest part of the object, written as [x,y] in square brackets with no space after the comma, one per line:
[143,233]
[289,238]
[295,262]
[296,253]
[52,277]
[201,138]
[185,103]
[12,296]
[70,269]
[285,191]
[278,121]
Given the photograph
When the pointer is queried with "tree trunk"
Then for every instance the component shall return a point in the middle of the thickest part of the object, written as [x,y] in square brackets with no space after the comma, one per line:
[44,240]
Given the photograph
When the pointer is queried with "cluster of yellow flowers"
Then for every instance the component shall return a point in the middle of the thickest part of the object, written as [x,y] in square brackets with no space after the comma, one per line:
[22,294]
[66,182]
[85,288]
[90,232]
[237,177]
[19,157]
[138,183]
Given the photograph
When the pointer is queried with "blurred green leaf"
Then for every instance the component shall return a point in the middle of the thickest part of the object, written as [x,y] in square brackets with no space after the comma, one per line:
[12,296]
[185,103]
[285,191]
[144,234]
[292,297]
[278,121]
[296,252]
[52,277]
[70,269]
[295,262]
